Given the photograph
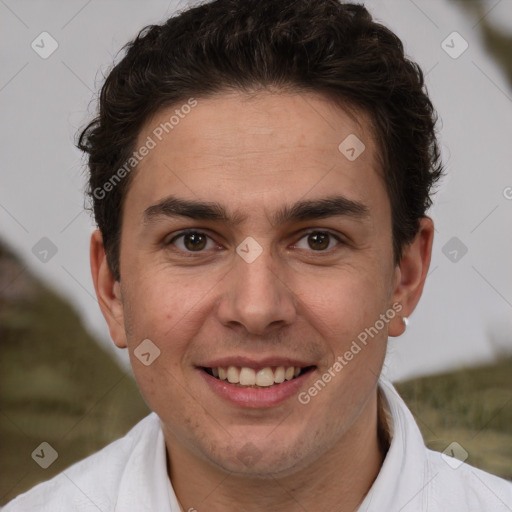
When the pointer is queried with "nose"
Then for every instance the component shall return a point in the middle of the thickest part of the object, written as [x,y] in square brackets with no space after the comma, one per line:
[256,297]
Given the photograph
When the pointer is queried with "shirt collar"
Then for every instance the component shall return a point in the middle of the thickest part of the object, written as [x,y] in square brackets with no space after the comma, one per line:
[402,483]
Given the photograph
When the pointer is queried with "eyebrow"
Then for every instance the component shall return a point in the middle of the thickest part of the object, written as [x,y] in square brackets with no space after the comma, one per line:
[333,206]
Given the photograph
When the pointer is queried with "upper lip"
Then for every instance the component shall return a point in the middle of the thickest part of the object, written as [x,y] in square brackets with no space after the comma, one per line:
[249,362]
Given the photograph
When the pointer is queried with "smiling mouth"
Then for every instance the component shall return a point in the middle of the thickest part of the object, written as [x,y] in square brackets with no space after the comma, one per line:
[266,377]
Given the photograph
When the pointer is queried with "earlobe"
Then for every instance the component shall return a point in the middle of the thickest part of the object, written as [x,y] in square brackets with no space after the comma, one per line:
[108,291]
[411,273]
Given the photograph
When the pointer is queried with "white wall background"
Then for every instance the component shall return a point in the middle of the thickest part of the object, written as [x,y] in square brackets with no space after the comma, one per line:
[464,317]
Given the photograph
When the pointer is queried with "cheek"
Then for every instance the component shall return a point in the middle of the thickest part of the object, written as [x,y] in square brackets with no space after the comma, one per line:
[344,311]
[163,305]
[169,308]
[344,301]
[169,313]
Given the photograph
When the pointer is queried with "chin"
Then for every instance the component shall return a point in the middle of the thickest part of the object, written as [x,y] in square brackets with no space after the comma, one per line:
[260,459]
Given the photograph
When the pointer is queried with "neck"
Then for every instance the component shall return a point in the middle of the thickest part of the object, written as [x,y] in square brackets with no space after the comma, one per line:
[338,480]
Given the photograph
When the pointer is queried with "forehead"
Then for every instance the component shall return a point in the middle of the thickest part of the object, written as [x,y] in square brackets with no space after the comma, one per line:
[252,148]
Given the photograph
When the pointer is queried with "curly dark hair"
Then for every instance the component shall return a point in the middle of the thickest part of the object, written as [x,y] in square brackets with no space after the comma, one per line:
[321,46]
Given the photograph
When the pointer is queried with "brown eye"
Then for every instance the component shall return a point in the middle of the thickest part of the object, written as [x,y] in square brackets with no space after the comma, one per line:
[192,241]
[318,241]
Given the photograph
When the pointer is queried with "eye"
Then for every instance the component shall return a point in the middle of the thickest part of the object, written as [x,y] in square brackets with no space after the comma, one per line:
[318,241]
[192,241]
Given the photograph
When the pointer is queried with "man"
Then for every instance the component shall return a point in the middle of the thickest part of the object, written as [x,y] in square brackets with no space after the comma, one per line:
[260,173]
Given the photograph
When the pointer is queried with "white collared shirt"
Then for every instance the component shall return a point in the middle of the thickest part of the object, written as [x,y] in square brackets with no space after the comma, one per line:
[130,475]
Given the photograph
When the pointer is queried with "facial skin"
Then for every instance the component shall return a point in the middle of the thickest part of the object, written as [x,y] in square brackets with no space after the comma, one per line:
[254,156]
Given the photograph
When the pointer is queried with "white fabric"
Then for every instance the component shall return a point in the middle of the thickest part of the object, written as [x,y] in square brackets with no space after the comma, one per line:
[130,475]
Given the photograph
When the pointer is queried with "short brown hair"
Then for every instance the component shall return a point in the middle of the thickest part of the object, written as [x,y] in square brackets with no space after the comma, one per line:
[320,46]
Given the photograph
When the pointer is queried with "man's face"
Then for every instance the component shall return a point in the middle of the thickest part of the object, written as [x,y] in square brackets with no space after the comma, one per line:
[210,299]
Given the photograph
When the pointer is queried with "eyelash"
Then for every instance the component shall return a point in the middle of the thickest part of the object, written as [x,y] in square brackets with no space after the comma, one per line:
[304,235]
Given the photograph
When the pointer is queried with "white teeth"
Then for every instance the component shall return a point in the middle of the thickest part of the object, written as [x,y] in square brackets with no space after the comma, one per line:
[247,376]
[279,375]
[233,375]
[264,377]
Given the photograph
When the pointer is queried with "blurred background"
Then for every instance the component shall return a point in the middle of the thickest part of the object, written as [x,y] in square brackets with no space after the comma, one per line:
[62,381]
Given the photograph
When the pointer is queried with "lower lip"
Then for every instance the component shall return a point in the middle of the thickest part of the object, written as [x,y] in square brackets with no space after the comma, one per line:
[253,397]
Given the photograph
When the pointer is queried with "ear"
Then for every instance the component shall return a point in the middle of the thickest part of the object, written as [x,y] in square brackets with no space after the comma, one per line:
[410,274]
[108,291]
